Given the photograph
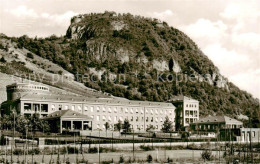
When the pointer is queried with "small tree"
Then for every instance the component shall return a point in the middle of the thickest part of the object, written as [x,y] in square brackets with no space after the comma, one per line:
[118,126]
[107,127]
[167,125]
[126,125]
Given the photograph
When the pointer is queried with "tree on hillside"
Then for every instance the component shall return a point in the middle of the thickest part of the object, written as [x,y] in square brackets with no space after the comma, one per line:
[2,60]
[167,125]
[126,126]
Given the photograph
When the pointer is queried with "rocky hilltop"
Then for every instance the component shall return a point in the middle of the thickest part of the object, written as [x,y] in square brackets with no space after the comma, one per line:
[155,62]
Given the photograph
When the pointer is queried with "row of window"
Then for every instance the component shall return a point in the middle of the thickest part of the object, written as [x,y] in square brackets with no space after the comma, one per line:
[31,87]
[191,105]
[191,113]
[190,120]
[110,110]
[35,107]
[139,127]
[137,119]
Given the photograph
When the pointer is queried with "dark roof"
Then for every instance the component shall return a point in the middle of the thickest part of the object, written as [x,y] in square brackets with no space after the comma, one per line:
[66,114]
[218,119]
[181,98]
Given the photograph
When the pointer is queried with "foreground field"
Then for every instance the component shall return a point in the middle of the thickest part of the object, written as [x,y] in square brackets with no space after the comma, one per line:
[157,155]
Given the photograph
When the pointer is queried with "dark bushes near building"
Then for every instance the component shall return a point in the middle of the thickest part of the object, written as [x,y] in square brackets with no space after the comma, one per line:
[121,159]
[149,158]
[206,155]
[146,148]
[18,152]
[30,55]
[3,140]
[95,150]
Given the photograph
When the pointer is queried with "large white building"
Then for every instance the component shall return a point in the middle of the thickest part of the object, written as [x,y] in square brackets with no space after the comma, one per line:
[187,111]
[27,99]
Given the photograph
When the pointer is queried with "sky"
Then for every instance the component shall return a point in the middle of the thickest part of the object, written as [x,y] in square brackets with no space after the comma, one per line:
[227,31]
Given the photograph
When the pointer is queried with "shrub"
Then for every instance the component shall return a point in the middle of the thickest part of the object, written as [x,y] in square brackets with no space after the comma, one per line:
[206,155]
[72,150]
[2,60]
[149,158]
[95,150]
[30,55]
[108,162]
[34,151]
[121,159]
[18,151]
[169,160]
[2,140]
[146,148]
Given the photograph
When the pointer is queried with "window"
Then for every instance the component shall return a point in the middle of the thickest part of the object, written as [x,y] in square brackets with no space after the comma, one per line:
[126,110]
[151,111]
[60,107]
[136,111]
[156,111]
[187,105]
[85,108]
[156,119]
[109,118]
[52,107]
[195,113]
[191,120]
[147,119]
[73,107]
[79,108]
[104,118]
[66,107]
[186,113]
[132,118]
[146,111]
[152,119]
[44,107]
[98,109]
[115,110]
[115,118]
[132,110]
[137,119]
[104,109]
[191,113]
[142,111]
[187,120]
[92,109]
[109,110]
[27,106]
[253,134]
[36,107]
[98,118]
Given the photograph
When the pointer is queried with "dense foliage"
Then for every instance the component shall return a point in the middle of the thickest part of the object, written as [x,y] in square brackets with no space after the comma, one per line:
[102,46]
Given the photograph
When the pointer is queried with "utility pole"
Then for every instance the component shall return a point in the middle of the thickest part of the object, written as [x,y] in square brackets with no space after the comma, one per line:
[99,148]
[133,145]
